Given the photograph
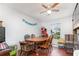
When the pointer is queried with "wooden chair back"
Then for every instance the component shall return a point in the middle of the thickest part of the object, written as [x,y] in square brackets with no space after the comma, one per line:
[26,36]
[26,46]
[32,35]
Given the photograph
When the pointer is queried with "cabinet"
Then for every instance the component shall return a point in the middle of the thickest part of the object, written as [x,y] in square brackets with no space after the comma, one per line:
[76,27]
[76,38]
[69,43]
[2,34]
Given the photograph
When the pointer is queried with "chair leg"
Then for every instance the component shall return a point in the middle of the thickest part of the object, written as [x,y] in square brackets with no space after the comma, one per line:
[26,53]
[20,52]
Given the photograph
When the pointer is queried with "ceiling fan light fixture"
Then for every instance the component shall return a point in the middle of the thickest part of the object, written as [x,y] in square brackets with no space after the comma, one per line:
[49,11]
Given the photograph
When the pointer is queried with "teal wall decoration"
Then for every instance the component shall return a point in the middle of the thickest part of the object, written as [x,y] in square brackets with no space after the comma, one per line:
[29,22]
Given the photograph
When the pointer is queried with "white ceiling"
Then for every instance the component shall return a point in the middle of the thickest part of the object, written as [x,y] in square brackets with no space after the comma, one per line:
[33,10]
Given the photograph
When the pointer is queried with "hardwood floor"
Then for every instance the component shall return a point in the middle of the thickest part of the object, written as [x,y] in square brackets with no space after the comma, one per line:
[52,52]
[59,52]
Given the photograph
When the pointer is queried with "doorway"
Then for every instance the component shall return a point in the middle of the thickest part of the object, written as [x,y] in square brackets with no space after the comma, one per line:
[56,33]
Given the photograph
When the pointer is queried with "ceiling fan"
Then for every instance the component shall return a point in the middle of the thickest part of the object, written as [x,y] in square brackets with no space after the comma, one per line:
[50,7]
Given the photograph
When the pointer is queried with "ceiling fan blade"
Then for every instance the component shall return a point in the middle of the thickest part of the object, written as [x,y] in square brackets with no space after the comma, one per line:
[44,6]
[55,4]
[55,10]
[42,12]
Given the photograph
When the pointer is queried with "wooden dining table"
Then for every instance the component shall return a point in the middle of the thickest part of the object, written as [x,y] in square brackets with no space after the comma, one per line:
[37,41]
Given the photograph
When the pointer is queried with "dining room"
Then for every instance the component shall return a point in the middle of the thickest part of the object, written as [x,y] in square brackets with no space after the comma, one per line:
[37,29]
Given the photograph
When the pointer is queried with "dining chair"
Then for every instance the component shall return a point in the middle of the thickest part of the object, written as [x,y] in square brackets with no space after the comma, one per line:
[46,46]
[50,39]
[32,35]
[48,42]
[26,48]
[26,36]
